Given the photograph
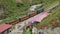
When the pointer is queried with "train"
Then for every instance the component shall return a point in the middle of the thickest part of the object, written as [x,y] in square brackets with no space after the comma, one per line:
[27,16]
[16,21]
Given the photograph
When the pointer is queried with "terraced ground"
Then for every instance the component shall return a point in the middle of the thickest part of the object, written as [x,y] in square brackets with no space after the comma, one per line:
[54,16]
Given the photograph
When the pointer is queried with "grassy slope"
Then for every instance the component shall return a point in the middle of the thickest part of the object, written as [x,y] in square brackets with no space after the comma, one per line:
[49,3]
[15,12]
[24,10]
[54,15]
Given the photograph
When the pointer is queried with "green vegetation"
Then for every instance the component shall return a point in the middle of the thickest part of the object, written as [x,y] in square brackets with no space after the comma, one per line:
[50,3]
[27,31]
[38,7]
[55,14]
[13,10]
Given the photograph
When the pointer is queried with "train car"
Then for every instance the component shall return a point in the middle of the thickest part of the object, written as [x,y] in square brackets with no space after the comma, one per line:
[39,10]
[14,22]
[32,14]
[24,18]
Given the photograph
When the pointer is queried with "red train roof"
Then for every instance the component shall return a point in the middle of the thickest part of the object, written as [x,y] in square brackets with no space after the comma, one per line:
[4,27]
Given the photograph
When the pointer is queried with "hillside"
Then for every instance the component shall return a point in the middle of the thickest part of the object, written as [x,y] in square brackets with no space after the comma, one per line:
[12,9]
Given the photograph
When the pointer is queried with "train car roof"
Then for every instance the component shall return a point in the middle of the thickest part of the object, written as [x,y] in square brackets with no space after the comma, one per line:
[4,27]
